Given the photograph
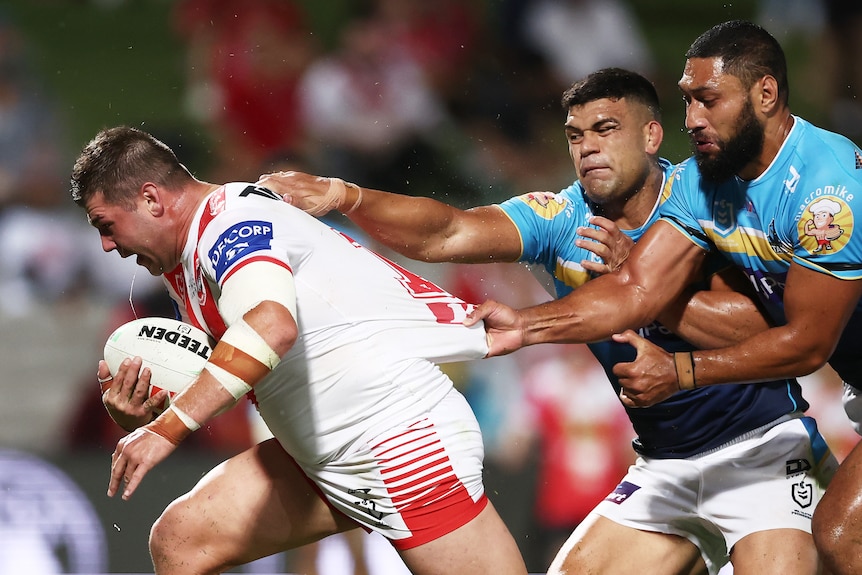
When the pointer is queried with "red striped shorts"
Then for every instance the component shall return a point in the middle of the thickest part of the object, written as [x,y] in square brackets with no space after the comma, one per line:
[414,483]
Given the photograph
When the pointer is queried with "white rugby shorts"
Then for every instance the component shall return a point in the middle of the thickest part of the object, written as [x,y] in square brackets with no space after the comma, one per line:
[770,478]
[414,483]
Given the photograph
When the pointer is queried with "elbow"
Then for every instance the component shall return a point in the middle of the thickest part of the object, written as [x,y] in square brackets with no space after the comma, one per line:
[437,248]
[275,324]
[643,302]
[425,253]
[809,354]
[421,251]
[809,363]
[283,340]
[425,244]
[643,308]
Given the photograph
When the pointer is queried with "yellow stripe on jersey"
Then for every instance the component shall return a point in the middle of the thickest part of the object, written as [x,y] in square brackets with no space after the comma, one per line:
[744,241]
[570,273]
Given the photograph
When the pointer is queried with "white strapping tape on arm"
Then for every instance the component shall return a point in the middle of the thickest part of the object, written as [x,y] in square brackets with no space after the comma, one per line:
[187,419]
[233,384]
[245,338]
[256,282]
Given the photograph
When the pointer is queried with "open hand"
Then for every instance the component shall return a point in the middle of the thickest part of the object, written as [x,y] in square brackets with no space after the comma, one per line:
[305,191]
[134,456]
[608,242]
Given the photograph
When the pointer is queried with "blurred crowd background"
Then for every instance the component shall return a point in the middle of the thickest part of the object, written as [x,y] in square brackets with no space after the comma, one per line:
[455,99]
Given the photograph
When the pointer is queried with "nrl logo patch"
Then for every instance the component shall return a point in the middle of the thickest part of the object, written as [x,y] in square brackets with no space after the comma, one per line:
[803,494]
[723,216]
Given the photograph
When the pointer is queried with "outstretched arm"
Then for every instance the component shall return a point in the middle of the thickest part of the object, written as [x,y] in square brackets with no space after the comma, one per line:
[661,265]
[419,228]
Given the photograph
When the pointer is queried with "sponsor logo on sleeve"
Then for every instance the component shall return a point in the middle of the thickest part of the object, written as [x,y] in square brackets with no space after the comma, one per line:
[239,241]
[622,492]
[546,204]
[825,225]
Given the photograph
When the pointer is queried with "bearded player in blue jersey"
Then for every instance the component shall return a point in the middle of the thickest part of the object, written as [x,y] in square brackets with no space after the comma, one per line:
[778,197]
[711,482]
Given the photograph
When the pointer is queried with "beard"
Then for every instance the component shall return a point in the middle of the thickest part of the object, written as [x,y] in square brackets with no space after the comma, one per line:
[734,154]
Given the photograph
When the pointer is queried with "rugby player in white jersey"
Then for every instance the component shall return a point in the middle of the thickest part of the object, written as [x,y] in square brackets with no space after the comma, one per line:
[334,344]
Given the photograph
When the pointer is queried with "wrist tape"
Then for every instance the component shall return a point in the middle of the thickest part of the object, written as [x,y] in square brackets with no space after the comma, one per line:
[334,198]
[174,425]
[683,361]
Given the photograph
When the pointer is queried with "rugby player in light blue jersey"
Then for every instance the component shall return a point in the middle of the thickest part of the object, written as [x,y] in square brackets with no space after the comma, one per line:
[712,479]
[778,197]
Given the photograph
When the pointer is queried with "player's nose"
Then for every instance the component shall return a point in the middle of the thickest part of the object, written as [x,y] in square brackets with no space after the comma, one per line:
[108,244]
[694,117]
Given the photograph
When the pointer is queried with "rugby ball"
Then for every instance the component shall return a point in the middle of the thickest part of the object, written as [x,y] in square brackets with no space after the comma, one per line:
[174,351]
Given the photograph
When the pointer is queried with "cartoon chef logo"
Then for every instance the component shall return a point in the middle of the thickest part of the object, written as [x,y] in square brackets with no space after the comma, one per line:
[545,204]
[825,225]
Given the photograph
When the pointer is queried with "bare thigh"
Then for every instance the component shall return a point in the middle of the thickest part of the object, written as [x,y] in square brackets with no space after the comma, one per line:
[775,552]
[600,545]
[252,505]
[483,546]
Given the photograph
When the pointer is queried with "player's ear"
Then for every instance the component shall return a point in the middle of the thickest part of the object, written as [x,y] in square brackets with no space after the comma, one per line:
[153,198]
[766,93]
[654,137]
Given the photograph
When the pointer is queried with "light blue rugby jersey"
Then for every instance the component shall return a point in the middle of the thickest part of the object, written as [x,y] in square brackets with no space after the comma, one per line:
[688,423]
[801,209]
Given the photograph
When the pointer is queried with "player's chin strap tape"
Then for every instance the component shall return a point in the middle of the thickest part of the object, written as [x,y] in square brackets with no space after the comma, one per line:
[241,359]
[174,425]
[683,361]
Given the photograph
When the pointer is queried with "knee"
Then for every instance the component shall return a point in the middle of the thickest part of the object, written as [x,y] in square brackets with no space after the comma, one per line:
[836,541]
[165,534]
[175,540]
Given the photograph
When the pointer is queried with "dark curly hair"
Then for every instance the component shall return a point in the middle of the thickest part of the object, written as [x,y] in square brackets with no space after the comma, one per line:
[118,161]
[614,84]
[747,52]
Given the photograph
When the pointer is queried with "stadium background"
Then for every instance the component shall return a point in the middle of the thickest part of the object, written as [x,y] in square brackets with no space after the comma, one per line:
[108,62]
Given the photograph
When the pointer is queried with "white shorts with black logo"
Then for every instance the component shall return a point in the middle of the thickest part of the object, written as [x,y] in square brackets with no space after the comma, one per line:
[770,478]
[414,483]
